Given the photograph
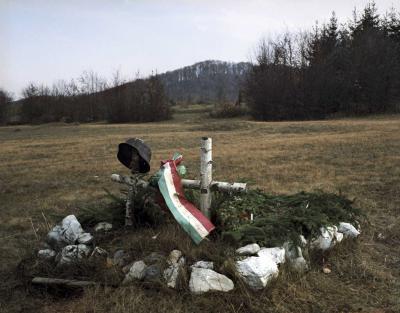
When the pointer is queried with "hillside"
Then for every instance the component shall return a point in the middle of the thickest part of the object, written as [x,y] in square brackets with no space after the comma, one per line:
[206,81]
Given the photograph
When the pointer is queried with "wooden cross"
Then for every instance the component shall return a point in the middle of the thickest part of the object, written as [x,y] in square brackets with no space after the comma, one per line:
[206,185]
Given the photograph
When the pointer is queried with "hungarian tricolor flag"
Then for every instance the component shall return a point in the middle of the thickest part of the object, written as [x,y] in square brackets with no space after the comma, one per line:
[186,214]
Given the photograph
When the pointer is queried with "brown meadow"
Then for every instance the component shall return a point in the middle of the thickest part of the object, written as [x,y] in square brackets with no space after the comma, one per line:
[58,168]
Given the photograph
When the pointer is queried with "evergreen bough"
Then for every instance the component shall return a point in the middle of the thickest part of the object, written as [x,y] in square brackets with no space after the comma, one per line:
[280,218]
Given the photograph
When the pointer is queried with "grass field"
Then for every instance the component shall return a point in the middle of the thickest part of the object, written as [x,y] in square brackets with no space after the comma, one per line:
[58,169]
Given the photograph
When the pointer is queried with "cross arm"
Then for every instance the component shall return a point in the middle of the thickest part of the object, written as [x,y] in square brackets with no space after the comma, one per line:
[187,183]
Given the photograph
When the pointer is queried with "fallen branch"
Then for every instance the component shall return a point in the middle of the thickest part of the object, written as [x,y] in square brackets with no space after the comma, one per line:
[62,282]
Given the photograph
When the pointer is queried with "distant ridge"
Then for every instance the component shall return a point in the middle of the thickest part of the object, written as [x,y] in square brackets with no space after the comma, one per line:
[206,81]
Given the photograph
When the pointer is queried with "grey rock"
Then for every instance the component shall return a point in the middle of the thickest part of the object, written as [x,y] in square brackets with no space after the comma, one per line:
[171,274]
[55,239]
[73,253]
[174,257]
[203,264]
[46,254]
[136,272]
[203,280]
[153,273]
[291,251]
[85,238]
[249,249]
[154,258]
[121,258]
[257,271]
[299,264]
[103,226]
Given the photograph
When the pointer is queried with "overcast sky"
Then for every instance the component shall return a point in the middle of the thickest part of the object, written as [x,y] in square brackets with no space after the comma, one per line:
[43,41]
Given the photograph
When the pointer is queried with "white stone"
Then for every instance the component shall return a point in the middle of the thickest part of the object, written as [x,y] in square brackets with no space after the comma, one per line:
[136,272]
[203,264]
[84,249]
[381,236]
[303,241]
[328,238]
[65,234]
[276,254]
[99,253]
[348,230]
[85,238]
[291,251]
[204,280]
[171,273]
[73,253]
[339,237]
[174,257]
[299,264]
[249,249]
[257,271]
[46,254]
[295,257]
[71,228]
[103,226]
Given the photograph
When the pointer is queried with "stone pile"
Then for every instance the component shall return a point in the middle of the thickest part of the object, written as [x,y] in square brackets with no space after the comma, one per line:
[68,243]
[155,267]
[262,264]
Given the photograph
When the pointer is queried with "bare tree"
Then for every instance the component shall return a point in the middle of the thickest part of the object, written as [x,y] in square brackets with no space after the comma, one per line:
[5,99]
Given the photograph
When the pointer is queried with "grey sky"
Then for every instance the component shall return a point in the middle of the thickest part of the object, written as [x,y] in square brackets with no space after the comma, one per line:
[42,41]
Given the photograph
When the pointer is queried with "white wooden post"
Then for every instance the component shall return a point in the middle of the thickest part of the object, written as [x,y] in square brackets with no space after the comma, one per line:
[205,175]
[129,207]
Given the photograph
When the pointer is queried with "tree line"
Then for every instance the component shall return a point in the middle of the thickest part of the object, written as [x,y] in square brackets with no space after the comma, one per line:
[333,70]
[90,98]
[5,100]
[352,69]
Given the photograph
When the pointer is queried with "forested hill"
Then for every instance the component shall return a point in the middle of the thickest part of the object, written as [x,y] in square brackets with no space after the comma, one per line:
[206,81]
[92,98]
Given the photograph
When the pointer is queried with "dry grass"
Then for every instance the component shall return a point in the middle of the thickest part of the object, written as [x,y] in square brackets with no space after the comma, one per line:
[51,169]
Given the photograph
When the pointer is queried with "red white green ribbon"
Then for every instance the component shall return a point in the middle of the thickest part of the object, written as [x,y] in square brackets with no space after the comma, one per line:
[186,214]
